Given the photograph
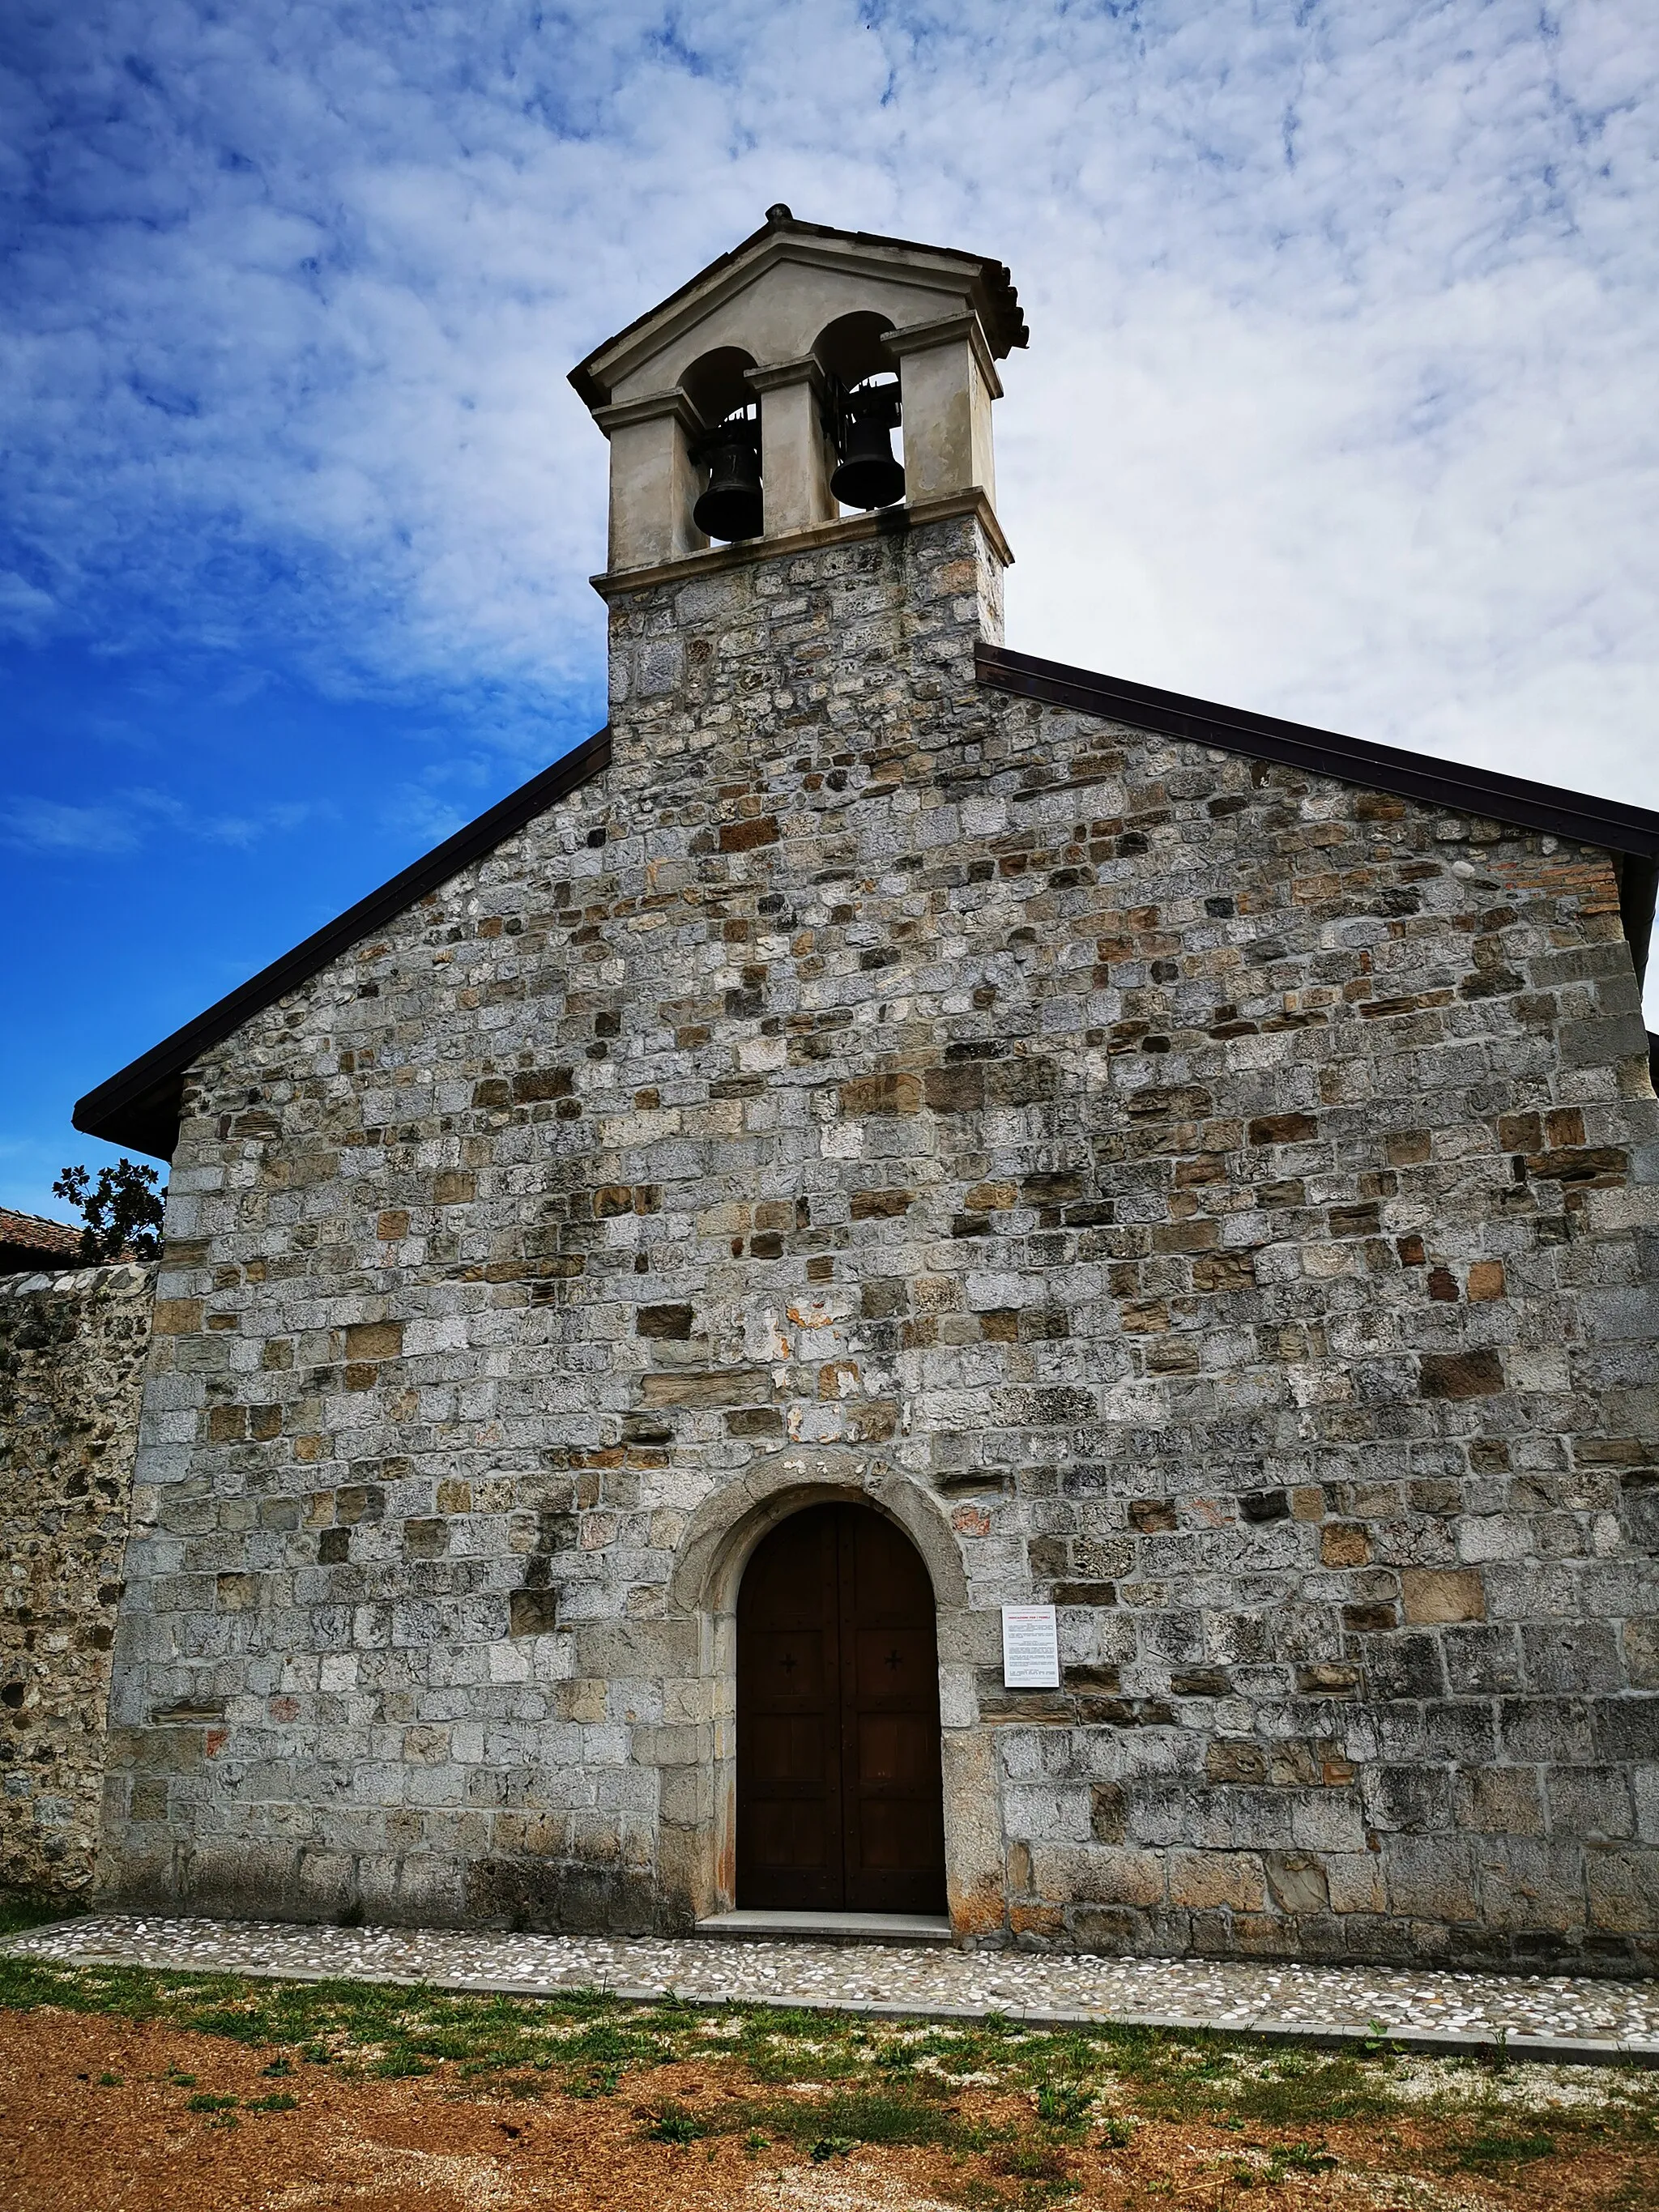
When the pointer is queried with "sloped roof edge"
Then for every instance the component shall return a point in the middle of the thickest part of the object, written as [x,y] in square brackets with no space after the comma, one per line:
[1630,832]
[1006,323]
[139,1106]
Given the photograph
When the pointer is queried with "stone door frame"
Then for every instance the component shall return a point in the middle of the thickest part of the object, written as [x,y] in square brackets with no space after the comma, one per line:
[719,1541]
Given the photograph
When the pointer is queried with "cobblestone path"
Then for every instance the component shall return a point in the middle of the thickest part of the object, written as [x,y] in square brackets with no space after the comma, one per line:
[1540,2015]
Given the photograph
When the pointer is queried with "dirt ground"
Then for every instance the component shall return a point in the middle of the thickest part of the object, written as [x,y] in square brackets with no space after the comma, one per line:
[101,2115]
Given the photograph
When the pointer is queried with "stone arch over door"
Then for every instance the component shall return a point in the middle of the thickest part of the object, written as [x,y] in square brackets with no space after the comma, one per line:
[699,1843]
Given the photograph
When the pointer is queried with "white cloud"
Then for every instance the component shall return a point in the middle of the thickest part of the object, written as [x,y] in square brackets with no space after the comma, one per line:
[40,825]
[25,610]
[126,821]
[1339,402]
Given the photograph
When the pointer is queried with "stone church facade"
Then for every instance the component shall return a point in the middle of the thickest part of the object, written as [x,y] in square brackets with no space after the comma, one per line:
[1195,1171]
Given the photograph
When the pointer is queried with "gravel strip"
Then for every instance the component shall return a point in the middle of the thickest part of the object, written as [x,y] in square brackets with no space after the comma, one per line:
[1554,2016]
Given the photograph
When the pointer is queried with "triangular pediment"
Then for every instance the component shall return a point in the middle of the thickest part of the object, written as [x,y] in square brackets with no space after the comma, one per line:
[803,270]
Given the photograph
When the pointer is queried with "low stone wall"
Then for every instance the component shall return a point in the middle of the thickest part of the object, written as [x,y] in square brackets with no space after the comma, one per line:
[71,1372]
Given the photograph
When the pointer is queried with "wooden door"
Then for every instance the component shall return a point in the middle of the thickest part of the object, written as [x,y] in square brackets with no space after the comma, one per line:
[840,1798]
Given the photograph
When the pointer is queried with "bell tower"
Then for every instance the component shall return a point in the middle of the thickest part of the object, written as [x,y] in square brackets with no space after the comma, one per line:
[757,407]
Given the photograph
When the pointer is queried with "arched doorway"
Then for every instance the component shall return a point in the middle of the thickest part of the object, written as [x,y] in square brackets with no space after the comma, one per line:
[839,1798]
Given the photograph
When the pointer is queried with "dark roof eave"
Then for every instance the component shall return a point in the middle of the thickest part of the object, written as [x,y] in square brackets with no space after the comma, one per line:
[1631,833]
[139,1107]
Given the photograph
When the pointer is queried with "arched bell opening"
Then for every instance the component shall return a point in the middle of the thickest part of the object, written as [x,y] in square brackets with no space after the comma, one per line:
[863,412]
[840,1786]
[730,502]
[854,347]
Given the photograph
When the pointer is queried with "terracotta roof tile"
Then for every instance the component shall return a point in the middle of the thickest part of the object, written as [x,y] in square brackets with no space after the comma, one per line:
[52,1243]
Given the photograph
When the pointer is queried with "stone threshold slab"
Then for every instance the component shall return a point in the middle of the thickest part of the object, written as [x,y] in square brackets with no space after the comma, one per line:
[751,1925]
[1554,2019]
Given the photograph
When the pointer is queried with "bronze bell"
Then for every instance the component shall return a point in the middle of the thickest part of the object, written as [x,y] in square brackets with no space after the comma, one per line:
[730,508]
[868,475]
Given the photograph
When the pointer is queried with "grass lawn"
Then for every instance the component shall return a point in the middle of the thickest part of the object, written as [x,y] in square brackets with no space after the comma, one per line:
[141,2091]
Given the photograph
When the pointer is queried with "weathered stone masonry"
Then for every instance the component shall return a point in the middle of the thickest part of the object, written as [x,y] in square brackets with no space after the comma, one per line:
[1220,1199]
[71,1371]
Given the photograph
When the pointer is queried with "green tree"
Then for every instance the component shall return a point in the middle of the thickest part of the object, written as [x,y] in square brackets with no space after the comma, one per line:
[121,1212]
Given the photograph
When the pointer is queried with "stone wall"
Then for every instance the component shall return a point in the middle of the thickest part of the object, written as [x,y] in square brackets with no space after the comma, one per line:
[1216,1198]
[71,1369]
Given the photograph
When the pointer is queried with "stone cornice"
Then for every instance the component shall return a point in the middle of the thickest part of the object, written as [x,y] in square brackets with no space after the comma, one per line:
[650,408]
[849,530]
[807,370]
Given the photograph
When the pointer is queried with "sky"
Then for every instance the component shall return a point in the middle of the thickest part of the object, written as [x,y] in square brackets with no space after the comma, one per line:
[1340,404]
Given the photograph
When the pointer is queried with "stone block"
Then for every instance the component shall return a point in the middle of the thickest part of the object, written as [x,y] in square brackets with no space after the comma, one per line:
[1589,1804]
[1475,1373]
[177,1317]
[1356,1885]
[881,1094]
[666,1322]
[1284,1129]
[1481,1662]
[374,1339]
[1110,1931]
[1431,1877]
[1625,1730]
[1414,1798]
[1500,1801]
[148,1798]
[1108,1812]
[1298,1882]
[1432,1595]
[1530,1886]
[731,1386]
[1213,1880]
[1572,1656]
[1398,1666]
[1331,1821]
[1623,1888]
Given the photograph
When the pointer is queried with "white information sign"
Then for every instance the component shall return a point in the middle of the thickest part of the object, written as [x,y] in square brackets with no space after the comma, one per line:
[1031,1648]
